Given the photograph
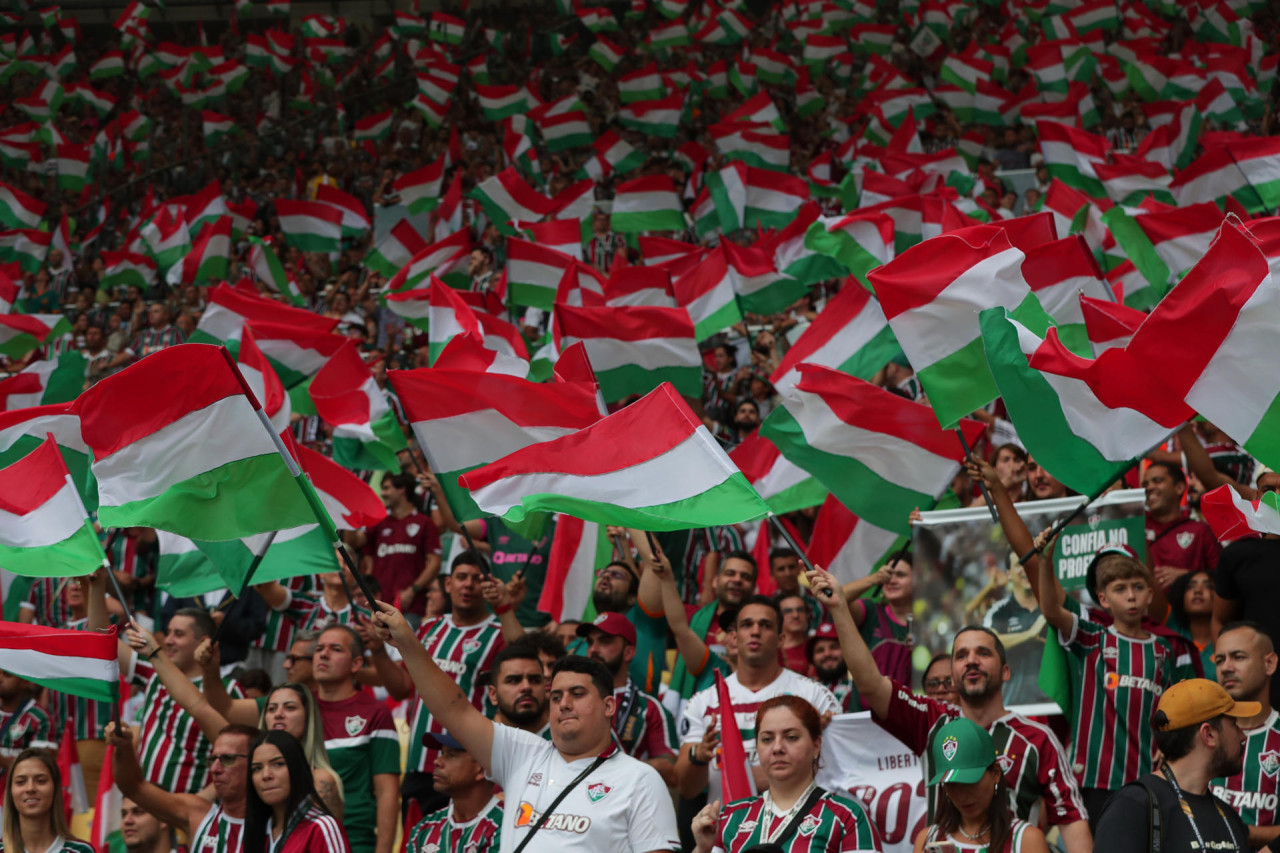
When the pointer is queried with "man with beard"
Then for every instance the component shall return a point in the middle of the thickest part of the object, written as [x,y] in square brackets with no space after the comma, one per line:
[1176,542]
[617,585]
[1197,732]
[518,688]
[641,725]
[827,661]
[1035,763]
[1246,661]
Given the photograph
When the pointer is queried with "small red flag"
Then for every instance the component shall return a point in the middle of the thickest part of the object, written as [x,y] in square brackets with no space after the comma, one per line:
[736,781]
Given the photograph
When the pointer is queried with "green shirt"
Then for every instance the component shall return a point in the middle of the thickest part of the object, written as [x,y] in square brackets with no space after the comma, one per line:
[362,743]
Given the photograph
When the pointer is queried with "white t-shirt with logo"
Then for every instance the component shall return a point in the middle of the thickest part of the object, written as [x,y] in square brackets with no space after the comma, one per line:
[622,807]
[705,706]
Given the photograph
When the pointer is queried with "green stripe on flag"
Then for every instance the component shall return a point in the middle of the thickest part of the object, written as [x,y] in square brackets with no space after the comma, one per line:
[89,688]
[78,554]
[1138,248]
[957,385]
[621,382]
[1264,443]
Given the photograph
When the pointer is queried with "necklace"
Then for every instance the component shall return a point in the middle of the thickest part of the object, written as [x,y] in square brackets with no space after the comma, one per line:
[770,809]
[981,832]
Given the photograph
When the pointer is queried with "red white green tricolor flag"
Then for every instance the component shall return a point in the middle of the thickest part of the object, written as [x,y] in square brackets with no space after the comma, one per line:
[81,663]
[931,295]
[633,349]
[366,433]
[1062,423]
[40,383]
[464,420]
[196,460]
[880,454]
[647,204]
[267,269]
[229,309]
[578,549]
[45,530]
[440,310]
[847,546]
[652,465]
[784,485]
[310,226]
[1232,517]
[21,333]
[24,430]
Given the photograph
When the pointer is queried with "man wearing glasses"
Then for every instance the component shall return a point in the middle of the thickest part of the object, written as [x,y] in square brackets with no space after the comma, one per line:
[212,827]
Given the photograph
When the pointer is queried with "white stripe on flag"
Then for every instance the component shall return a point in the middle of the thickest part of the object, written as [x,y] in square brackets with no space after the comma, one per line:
[57,520]
[477,438]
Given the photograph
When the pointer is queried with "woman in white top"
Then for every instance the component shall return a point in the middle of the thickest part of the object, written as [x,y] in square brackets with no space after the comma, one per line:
[973,814]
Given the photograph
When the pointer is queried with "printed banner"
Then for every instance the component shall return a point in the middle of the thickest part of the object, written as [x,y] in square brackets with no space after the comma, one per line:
[870,765]
[1079,543]
[966,574]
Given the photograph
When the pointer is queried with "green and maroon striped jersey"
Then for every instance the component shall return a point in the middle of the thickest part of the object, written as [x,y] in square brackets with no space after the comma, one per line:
[438,833]
[280,627]
[174,753]
[834,824]
[50,607]
[308,612]
[26,727]
[463,653]
[87,717]
[218,833]
[643,727]
[1121,680]
[1254,790]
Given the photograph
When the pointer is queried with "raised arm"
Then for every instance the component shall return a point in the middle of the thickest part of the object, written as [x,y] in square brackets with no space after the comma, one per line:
[181,688]
[243,711]
[874,687]
[1015,529]
[385,671]
[693,649]
[441,694]
[178,810]
[1201,464]
[1051,595]
[498,596]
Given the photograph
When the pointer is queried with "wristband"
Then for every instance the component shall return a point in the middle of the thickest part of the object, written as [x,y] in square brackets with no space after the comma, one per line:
[500,609]
[693,758]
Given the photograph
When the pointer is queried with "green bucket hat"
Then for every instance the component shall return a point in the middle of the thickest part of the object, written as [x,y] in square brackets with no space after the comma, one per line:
[961,752]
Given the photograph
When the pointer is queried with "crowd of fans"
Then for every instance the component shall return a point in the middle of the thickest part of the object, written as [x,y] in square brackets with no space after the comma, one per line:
[276,723]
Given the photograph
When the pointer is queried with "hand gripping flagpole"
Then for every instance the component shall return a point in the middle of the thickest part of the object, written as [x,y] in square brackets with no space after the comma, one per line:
[1075,513]
[986,496]
[300,477]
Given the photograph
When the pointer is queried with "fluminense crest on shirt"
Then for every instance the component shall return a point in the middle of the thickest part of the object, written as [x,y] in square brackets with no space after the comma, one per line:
[470,644]
[1184,540]
[808,825]
[412,528]
[597,791]
[354,725]
[1269,762]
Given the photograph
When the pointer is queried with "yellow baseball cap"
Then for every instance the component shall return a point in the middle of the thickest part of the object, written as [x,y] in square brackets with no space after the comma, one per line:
[1197,700]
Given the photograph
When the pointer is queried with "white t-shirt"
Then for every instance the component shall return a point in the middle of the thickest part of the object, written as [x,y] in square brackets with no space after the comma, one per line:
[705,706]
[623,807]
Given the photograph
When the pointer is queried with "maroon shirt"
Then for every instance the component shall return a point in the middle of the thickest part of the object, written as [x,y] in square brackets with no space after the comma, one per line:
[399,549]
[1183,544]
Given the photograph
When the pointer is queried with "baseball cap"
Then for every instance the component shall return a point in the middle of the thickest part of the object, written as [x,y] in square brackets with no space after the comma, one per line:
[444,740]
[825,631]
[1196,700]
[614,624]
[1091,573]
[962,751]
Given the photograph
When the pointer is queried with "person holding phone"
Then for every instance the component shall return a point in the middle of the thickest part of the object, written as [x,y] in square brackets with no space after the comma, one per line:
[973,814]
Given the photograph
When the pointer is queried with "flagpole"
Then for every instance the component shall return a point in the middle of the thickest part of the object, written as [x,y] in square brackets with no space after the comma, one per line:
[299,476]
[777,525]
[248,580]
[986,496]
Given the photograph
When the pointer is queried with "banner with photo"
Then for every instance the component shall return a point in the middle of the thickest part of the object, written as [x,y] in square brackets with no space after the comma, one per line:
[966,574]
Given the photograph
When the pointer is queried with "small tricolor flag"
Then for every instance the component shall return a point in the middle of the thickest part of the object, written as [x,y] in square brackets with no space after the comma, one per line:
[80,663]
[45,530]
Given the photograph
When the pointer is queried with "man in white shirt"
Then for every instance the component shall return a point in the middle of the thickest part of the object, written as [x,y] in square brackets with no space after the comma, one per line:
[760,676]
[593,796]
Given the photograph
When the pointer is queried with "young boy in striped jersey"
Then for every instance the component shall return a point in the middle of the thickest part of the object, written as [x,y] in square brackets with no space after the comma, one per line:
[1245,656]
[1125,669]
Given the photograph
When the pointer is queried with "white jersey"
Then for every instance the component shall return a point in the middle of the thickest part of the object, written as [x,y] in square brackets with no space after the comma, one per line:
[705,706]
[622,807]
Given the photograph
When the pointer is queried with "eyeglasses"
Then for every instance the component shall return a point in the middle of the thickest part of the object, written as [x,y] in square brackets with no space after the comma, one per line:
[937,684]
[292,659]
[228,759]
[613,574]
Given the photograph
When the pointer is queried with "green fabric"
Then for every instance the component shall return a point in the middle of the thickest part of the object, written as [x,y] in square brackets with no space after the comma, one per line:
[511,552]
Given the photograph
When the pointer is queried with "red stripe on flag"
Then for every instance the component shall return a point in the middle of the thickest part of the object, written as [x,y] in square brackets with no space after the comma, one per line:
[735,777]
[632,323]
[429,394]
[917,276]
[60,642]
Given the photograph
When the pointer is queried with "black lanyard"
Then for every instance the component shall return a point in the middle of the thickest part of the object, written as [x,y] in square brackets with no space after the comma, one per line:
[609,752]
[1186,809]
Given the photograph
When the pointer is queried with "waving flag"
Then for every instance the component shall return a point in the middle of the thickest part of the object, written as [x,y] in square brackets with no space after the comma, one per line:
[784,485]
[262,380]
[464,420]
[296,353]
[850,335]
[1078,438]
[19,210]
[229,309]
[21,333]
[439,309]
[931,295]
[395,250]
[1059,273]
[195,460]
[847,546]
[737,781]
[42,383]
[578,549]
[125,269]
[647,204]
[419,190]
[1109,324]
[464,352]
[24,430]
[80,663]
[310,226]
[45,530]
[208,258]
[268,270]
[881,455]
[652,465]
[366,433]
[1232,517]
[707,293]
[633,349]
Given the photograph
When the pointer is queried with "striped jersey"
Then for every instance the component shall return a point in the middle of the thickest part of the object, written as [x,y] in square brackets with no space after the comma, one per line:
[67,845]
[438,833]
[888,639]
[308,612]
[834,824]
[50,606]
[463,653]
[1121,680]
[280,628]
[174,752]
[217,833]
[27,726]
[138,559]
[1254,790]
[643,727]
[1013,844]
[1034,762]
[316,832]
[362,742]
[87,717]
